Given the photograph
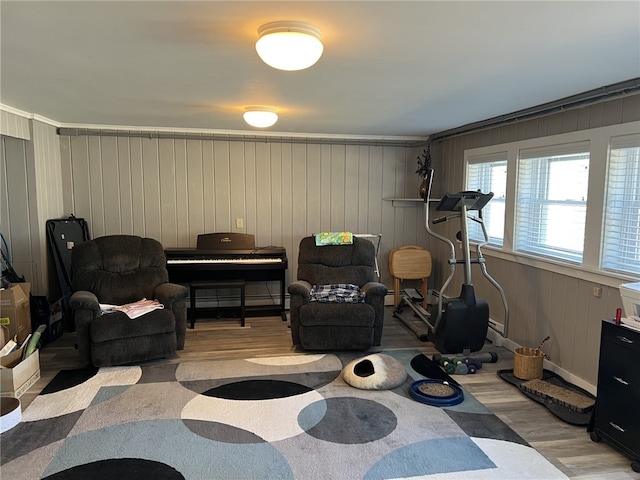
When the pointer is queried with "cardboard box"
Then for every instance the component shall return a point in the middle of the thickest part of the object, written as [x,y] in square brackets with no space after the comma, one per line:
[15,311]
[16,376]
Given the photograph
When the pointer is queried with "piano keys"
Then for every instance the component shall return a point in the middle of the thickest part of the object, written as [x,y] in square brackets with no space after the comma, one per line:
[178,256]
[178,261]
[225,259]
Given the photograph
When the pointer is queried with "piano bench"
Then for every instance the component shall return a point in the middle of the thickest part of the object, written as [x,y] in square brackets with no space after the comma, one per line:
[214,284]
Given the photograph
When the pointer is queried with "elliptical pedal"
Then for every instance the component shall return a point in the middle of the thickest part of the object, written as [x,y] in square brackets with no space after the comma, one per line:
[414,295]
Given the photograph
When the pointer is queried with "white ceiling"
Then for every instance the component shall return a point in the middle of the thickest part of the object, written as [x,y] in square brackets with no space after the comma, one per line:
[389,69]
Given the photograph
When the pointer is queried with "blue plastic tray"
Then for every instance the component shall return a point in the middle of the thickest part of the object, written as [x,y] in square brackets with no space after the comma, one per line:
[436,401]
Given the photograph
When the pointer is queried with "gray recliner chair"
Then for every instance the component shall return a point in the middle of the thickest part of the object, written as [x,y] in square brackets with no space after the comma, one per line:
[117,270]
[336,326]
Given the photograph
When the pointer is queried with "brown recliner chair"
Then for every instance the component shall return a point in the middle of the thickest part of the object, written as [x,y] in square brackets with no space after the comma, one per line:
[117,270]
[336,326]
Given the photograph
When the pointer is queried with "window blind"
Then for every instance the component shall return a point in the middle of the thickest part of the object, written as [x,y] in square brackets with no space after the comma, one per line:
[621,229]
[489,174]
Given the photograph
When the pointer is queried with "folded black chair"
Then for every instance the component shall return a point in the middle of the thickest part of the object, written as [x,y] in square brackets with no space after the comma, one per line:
[118,270]
[317,325]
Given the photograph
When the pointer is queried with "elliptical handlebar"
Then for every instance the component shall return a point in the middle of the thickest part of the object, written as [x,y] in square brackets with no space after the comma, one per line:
[442,238]
[483,269]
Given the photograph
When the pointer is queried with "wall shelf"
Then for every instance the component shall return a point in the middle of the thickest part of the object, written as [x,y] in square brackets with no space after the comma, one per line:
[408,202]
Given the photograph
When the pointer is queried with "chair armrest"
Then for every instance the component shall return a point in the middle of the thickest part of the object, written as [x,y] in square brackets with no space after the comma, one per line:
[374,289]
[84,300]
[86,308]
[299,295]
[374,295]
[172,296]
[301,288]
[167,293]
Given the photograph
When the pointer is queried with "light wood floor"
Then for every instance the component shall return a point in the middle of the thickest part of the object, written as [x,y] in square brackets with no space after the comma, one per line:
[568,447]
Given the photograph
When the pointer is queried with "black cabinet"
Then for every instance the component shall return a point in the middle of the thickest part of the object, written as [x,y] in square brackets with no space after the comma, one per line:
[617,413]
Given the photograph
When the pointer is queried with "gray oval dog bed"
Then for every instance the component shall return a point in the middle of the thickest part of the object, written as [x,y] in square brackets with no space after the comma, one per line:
[374,372]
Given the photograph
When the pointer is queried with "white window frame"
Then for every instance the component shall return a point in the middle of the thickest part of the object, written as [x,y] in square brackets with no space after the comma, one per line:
[537,165]
[589,269]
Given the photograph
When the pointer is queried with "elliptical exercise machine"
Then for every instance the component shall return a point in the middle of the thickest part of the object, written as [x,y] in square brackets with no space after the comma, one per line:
[461,323]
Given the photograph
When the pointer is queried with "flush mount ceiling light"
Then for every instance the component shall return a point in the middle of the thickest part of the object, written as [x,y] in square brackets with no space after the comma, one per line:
[289,45]
[260,117]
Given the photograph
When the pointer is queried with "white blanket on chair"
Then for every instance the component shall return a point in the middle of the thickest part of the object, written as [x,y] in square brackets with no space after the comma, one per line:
[133,310]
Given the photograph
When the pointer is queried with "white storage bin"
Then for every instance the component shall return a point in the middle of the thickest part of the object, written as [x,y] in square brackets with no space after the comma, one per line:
[630,293]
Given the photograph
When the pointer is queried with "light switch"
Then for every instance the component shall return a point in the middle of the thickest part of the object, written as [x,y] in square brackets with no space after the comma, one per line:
[239,223]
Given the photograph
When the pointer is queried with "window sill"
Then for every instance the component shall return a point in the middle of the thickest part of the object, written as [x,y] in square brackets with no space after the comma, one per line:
[574,271]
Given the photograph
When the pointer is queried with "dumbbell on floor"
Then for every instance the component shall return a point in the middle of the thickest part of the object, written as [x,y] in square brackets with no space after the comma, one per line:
[447,364]
[458,365]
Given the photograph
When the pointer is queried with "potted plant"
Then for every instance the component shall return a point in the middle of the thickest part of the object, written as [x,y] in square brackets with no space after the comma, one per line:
[424,166]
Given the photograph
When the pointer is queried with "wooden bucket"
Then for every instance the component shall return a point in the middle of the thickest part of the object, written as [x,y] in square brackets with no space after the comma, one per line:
[527,363]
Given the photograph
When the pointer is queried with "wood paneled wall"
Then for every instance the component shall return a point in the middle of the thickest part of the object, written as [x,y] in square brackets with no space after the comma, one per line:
[31,185]
[14,125]
[175,189]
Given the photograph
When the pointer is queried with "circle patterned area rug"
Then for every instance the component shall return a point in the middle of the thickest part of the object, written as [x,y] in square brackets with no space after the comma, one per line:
[289,417]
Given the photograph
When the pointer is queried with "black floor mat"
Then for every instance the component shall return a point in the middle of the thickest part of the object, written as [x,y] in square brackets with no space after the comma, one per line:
[564,413]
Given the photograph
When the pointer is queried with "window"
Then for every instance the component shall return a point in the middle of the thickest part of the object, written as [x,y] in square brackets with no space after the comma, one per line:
[488,173]
[621,223]
[551,201]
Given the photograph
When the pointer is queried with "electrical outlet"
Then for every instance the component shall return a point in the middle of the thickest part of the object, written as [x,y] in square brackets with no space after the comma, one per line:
[597,291]
[239,223]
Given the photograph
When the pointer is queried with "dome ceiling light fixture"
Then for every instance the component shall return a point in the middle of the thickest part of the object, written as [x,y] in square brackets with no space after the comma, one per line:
[289,45]
[260,117]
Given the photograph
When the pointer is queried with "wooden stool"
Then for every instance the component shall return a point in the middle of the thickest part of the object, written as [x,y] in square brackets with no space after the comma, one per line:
[214,284]
[409,263]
